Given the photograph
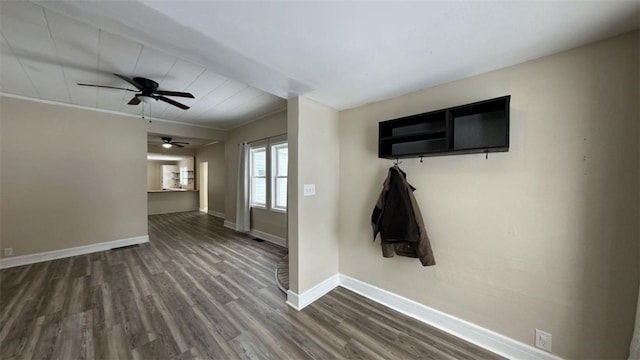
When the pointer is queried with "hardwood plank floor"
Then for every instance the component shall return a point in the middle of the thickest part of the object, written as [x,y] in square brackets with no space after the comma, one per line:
[196,291]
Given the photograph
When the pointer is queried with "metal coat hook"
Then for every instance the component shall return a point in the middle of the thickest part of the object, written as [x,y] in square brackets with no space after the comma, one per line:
[486,156]
[397,162]
[421,159]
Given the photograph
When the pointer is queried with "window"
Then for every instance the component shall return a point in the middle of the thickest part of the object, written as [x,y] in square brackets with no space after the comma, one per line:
[279,162]
[258,176]
[184,176]
[268,176]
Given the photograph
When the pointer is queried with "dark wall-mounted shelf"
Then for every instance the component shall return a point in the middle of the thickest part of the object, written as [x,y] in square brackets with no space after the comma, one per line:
[479,127]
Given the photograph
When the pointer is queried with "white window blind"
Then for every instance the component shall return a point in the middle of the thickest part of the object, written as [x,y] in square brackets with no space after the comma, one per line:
[258,160]
[279,165]
[184,176]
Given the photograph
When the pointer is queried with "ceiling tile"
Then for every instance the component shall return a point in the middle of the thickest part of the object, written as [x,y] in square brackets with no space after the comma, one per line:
[12,75]
[77,46]
[24,27]
[263,105]
[45,54]
[152,64]
[77,50]
[232,104]
[117,55]
[181,75]
[219,95]
[206,83]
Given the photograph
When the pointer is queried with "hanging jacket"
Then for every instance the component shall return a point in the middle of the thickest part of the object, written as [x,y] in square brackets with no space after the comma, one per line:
[398,219]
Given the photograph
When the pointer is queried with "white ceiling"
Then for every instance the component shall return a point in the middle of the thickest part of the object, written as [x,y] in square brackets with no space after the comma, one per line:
[45,54]
[342,54]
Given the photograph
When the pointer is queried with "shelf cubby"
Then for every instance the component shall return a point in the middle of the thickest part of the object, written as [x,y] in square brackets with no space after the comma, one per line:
[473,128]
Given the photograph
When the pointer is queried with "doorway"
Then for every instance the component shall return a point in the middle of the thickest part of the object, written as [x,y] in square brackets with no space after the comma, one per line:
[203,181]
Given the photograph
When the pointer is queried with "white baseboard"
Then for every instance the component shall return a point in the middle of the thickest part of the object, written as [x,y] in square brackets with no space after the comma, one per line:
[216,214]
[470,332]
[268,237]
[260,234]
[293,300]
[74,251]
[299,301]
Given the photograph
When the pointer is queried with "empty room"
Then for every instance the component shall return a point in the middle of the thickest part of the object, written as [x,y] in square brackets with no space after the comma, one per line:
[319,180]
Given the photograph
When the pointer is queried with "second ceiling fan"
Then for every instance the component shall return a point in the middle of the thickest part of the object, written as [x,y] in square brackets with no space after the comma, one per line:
[168,142]
[148,89]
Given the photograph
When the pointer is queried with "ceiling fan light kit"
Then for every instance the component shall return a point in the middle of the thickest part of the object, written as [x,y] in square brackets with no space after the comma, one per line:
[149,92]
[168,142]
[146,99]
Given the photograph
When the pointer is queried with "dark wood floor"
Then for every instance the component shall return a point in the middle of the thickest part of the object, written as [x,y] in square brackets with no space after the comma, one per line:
[198,290]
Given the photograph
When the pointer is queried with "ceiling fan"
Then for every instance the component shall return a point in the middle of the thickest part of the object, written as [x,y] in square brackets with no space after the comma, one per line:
[167,142]
[148,91]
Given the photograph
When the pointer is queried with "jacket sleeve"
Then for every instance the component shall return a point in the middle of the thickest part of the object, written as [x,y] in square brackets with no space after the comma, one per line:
[423,247]
[376,216]
[378,210]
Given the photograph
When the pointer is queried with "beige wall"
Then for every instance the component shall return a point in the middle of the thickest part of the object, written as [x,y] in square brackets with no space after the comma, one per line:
[315,228]
[65,184]
[269,222]
[70,177]
[179,130]
[169,202]
[214,155]
[544,236]
[172,201]
[293,193]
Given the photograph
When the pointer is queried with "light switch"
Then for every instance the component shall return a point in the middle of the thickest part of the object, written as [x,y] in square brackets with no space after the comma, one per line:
[309,189]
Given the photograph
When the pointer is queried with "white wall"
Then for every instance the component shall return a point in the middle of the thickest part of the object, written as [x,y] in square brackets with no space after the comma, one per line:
[313,159]
[544,236]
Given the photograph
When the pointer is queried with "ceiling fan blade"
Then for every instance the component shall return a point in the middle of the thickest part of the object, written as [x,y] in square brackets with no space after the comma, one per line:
[179,142]
[172,102]
[106,87]
[174,93]
[178,145]
[130,81]
[134,101]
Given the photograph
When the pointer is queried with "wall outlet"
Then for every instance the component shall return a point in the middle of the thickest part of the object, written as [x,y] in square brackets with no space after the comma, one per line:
[8,251]
[309,189]
[543,340]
